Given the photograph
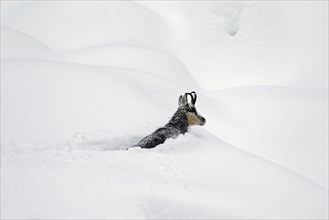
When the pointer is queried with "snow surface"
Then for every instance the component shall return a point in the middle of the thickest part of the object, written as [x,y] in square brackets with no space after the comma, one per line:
[82,81]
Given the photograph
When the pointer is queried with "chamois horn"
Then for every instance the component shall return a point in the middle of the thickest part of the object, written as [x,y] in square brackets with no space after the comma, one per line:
[193,97]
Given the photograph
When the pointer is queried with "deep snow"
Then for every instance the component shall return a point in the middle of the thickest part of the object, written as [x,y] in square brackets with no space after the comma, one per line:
[80,82]
[193,176]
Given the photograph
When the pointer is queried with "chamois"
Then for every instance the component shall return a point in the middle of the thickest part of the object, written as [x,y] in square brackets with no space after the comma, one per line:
[186,115]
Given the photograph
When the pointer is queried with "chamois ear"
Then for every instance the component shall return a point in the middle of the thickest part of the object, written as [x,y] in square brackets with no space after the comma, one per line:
[180,100]
[184,99]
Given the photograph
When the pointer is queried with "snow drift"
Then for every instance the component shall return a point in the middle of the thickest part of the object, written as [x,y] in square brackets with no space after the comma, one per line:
[194,176]
[81,82]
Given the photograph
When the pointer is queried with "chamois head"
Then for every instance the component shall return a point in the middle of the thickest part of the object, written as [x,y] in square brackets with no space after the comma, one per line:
[189,109]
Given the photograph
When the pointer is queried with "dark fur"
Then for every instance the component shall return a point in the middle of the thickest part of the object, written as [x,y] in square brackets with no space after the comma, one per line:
[177,125]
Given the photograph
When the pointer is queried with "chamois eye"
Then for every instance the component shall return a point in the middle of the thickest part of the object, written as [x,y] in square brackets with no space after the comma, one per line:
[192,110]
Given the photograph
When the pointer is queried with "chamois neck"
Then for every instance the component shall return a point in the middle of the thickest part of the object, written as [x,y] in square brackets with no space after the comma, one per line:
[179,121]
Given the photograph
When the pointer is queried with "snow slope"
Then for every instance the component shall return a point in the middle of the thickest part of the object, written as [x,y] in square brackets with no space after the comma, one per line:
[194,176]
[80,82]
[251,42]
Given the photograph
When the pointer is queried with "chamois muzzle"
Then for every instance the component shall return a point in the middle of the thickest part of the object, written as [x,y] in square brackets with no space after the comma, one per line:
[203,121]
